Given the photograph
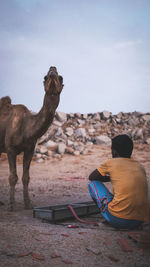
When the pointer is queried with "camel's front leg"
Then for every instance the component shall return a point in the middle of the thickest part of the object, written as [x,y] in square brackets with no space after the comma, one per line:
[28,154]
[13,178]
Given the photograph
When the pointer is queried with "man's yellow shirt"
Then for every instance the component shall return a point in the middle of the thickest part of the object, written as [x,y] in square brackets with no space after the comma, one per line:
[129,187]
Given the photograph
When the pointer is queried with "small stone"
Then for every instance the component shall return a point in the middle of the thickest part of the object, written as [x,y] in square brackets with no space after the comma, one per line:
[80,122]
[61,148]
[57,156]
[59,132]
[61,138]
[84,152]
[44,156]
[69,150]
[148,141]
[69,142]
[37,149]
[98,125]
[79,147]
[50,153]
[43,150]
[38,155]
[76,153]
[40,160]
[91,131]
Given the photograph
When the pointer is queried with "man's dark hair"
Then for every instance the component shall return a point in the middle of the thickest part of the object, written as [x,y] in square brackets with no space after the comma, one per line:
[123,145]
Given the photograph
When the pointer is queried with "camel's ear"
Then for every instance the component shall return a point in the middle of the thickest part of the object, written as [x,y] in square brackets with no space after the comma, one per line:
[44,82]
[45,78]
[61,80]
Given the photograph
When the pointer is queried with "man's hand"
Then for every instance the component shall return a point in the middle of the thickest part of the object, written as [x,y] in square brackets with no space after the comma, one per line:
[96,176]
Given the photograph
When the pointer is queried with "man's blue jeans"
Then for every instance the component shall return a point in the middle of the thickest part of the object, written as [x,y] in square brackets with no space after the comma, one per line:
[102,196]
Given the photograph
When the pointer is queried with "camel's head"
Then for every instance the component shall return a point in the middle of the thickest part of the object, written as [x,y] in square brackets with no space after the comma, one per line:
[53,83]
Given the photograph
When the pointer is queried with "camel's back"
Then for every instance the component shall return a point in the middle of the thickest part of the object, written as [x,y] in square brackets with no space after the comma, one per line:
[8,111]
[11,117]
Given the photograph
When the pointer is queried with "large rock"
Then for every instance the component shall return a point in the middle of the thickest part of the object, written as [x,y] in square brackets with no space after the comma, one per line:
[138,134]
[69,131]
[51,131]
[51,145]
[61,116]
[43,150]
[96,116]
[80,122]
[78,115]
[69,142]
[146,118]
[91,130]
[71,115]
[80,132]
[119,121]
[102,139]
[57,123]
[133,121]
[119,115]
[106,114]
[59,132]
[85,116]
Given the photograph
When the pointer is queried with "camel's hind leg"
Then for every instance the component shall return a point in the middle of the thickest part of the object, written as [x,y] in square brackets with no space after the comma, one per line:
[13,178]
[28,154]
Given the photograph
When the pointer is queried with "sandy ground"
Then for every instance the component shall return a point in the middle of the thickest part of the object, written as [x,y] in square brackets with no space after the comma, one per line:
[27,241]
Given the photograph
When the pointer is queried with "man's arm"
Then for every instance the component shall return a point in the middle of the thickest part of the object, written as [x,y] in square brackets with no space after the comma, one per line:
[95,175]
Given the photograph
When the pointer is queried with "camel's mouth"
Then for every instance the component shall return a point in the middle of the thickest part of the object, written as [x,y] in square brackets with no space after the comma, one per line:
[52,74]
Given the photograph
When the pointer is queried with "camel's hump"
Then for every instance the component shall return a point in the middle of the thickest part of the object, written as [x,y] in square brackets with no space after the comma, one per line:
[5,100]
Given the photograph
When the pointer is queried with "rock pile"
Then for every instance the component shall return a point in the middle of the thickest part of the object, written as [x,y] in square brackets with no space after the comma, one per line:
[74,133]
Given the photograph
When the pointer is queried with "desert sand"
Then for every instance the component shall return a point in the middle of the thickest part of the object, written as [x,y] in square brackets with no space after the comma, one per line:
[28,241]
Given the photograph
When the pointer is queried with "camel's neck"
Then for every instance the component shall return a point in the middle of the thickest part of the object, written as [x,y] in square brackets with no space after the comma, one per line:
[44,118]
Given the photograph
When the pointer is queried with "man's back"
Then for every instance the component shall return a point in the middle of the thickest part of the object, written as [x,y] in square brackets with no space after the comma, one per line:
[130,188]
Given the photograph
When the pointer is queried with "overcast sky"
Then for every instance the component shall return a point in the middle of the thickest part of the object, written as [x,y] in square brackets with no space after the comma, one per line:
[100,47]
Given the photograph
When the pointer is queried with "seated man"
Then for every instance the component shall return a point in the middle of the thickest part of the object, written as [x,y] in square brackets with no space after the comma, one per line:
[128,206]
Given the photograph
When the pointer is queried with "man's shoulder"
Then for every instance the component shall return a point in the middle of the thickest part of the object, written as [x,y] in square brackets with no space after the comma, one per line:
[122,161]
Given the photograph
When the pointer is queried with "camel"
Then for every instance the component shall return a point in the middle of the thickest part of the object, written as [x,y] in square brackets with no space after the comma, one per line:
[20,129]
